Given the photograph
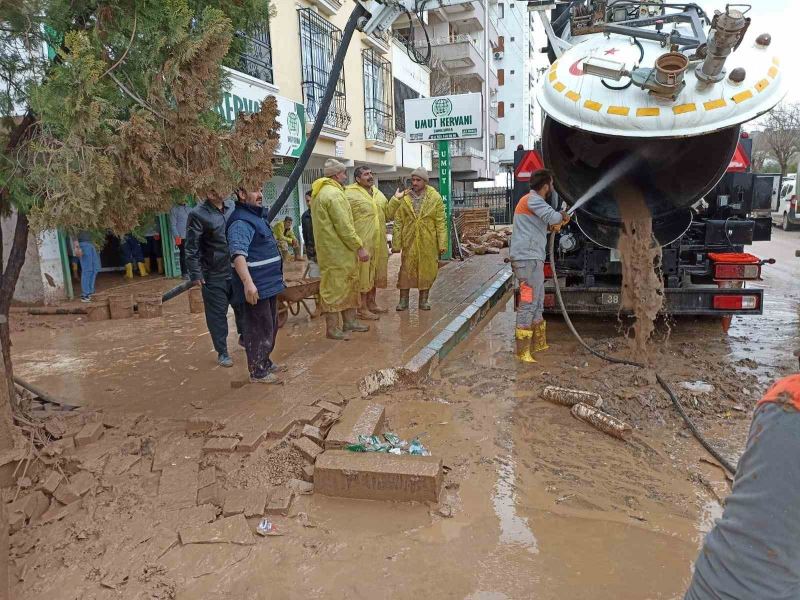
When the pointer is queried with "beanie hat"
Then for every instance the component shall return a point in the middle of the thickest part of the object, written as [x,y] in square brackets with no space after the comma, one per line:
[332,167]
[421,173]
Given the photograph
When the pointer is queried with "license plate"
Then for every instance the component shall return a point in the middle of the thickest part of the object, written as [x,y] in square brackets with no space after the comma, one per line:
[609,299]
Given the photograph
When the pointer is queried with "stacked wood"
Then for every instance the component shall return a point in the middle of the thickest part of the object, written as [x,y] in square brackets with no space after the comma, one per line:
[471,222]
[488,242]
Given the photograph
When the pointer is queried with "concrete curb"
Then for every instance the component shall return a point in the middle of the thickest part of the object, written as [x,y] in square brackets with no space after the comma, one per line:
[427,359]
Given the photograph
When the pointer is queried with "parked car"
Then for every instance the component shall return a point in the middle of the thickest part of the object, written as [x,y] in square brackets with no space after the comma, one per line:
[784,211]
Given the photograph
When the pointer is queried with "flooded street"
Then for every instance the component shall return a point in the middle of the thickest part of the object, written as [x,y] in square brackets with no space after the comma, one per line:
[535,504]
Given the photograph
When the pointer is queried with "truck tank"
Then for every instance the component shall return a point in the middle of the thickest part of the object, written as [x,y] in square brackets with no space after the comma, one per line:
[658,94]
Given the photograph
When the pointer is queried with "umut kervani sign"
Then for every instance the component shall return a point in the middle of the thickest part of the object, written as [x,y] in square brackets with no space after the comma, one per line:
[444,118]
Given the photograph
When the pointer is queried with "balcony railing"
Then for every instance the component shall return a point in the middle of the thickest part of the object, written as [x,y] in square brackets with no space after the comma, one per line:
[319,41]
[256,60]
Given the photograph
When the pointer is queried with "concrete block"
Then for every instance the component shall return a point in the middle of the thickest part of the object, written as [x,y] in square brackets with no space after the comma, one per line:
[299,415]
[313,433]
[91,432]
[250,502]
[308,473]
[220,445]
[58,512]
[50,482]
[307,448]
[299,487]
[378,476]
[331,408]
[231,530]
[360,417]
[66,494]
[279,501]
[251,441]
[211,494]
[206,477]
[82,483]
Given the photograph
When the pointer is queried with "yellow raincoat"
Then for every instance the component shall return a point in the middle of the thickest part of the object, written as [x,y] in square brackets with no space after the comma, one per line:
[419,237]
[369,218]
[336,243]
[282,234]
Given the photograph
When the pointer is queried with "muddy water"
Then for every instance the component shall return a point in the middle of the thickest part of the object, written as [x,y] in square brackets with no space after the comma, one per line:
[640,256]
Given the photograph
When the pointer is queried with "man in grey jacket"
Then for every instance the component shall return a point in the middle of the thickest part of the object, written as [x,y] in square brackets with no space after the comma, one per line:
[533,217]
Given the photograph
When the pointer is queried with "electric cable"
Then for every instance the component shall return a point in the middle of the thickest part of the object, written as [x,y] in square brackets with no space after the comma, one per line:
[333,79]
[621,361]
[630,81]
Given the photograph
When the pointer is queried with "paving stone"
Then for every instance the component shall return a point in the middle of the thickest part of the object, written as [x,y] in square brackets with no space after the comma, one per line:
[308,472]
[300,487]
[313,433]
[177,487]
[66,494]
[211,494]
[279,501]
[206,477]
[331,408]
[220,445]
[360,417]
[251,440]
[50,482]
[91,432]
[82,482]
[299,415]
[378,476]
[176,448]
[248,501]
[58,512]
[230,530]
[307,448]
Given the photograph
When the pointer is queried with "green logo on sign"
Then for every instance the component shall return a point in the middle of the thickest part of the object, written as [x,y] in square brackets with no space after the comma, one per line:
[293,123]
[442,107]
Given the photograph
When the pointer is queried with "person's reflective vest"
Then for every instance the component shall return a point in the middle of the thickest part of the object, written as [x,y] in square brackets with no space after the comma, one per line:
[785,391]
[263,257]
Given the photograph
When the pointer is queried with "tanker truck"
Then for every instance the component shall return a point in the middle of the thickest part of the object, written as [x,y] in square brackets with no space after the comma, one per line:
[650,97]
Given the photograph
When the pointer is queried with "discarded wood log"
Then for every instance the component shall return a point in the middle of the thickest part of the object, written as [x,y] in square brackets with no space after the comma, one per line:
[568,397]
[602,421]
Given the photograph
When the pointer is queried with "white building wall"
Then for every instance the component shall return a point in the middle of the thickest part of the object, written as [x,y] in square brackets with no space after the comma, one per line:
[409,156]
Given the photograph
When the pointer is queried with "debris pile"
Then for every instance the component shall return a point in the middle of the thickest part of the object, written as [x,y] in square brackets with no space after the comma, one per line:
[489,242]
[586,407]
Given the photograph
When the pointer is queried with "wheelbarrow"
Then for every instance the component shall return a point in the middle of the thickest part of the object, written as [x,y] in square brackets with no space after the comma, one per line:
[294,297]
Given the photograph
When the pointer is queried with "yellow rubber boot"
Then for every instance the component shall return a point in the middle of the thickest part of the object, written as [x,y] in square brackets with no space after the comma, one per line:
[539,337]
[523,343]
[129,271]
[74,267]
[142,270]
[148,265]
[160,265]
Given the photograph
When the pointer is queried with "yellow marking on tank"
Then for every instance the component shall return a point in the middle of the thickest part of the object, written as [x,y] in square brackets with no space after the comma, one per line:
[742,96]
[684,108]
[560,87]
[553,75]
[554,66]
[574,96]
[592,105]
[761,85]
[714,104]
[648,111]
[622,111]
[776,61]
[773,72]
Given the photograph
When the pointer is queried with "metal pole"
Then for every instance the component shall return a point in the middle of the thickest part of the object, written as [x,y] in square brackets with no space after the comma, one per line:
[445,191]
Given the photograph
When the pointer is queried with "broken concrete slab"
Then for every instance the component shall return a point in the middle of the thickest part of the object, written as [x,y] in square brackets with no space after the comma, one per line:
[220,445]
[198,425]
[308,472]
[82,482]
[191,516]
[307,448]
[210,494]
[313,433]
[280,499]
[66,494]
[119,464]
[91,432]
[50,482]
[58,512]
[378,476]
[383,379]
[177,487]
[206,477]
[360,417]
[175,449]
[252,440]
[331,408]
[300,487]
[299,415]
[230,530]
[249,501]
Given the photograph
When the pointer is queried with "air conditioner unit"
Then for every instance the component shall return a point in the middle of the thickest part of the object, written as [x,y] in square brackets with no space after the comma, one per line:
[498,55]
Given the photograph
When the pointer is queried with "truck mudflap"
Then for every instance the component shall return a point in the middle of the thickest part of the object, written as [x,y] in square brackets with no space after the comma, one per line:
[711,301]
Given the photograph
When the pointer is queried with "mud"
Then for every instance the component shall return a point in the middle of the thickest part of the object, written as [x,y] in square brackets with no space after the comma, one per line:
[640,256]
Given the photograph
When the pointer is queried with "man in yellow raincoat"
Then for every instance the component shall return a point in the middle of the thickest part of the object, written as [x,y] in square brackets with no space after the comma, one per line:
[369,207]
[339,250]
[419,234]
[282,230]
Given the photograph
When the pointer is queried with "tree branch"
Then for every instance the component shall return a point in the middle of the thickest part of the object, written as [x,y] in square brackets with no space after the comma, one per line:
[16,258]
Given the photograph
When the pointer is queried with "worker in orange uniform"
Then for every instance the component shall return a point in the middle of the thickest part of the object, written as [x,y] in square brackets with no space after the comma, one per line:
[753,551]
[533,217]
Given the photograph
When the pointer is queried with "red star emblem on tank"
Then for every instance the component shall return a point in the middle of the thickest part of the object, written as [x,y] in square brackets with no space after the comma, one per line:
[611,51]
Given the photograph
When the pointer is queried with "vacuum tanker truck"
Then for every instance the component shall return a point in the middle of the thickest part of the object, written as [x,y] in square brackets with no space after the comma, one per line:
[649,97]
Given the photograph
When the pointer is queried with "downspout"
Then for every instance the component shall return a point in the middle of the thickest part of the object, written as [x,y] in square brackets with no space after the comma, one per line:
[486,96]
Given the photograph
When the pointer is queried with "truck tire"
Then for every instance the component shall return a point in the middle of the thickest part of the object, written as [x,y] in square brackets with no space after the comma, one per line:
[785,224]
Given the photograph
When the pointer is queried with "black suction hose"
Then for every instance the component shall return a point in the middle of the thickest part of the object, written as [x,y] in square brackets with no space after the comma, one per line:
[621,361]
[322,113]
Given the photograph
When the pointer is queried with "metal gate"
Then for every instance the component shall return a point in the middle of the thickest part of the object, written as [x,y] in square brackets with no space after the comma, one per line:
[497,200]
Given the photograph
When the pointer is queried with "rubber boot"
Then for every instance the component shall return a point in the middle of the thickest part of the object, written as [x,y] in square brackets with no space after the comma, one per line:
[332,329]
[142,270]
[524,337]
[423,300]
[317,307]
[148,265]
[363,312]
[129,271]
[74,267]
[539,337]
[372,305]
[403,304]
[351,323]
[160,265]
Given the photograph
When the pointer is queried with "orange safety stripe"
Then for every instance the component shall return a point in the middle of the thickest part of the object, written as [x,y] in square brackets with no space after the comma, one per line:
[522,207]
[786,389]
[734,258]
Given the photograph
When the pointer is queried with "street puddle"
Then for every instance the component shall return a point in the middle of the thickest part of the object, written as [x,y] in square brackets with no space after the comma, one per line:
[709,513]
[514,530]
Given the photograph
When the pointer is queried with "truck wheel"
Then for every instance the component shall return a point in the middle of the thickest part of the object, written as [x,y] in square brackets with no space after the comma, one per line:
[785,224]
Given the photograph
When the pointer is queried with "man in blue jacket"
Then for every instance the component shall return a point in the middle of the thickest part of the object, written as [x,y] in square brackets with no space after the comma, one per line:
[257,282]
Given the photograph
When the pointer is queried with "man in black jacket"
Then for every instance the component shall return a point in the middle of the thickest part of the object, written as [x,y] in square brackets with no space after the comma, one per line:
[209,264]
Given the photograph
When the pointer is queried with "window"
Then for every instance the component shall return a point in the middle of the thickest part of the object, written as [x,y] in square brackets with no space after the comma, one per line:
[319,40]
[256,60]
[512,71]
[501,43]
[501,109]
[513,138]
[512,105]
[378,118]
[512,38]
[401,92]
[501,10]
[501,76]
[500,141]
